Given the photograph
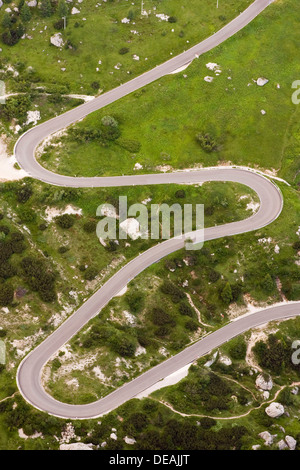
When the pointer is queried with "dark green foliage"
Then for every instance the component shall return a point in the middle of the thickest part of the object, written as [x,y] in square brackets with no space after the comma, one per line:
[180,194]
[172,19]
[15,107]
[207,423]
[39,278]
[159,317]
[185,309]
[238,348]
[90,273]
[226,294]
[135,300]
[191,325]
[65,221]
[62,8]
[6,295]
[24,194]
[206,142]
[274,355]
[170,289]
[63,249]
[25,13]
[90,227]
[95,85]
[45,8]
[123,50]
[132,146]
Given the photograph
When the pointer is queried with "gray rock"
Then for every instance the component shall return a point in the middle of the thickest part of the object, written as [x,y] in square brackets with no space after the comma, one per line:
[262,81]
[267,437]
[264,382]
[282,445]
[275,410]
[291,442]
[32,3]
[76,446]
[57,40]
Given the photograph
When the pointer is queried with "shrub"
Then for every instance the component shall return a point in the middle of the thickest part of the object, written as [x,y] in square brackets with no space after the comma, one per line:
[95,85]
[191,325]
[185,309]
[238,349]
[59,24]
[123,50]
[90,273]
[90,227]
[172,19]
[132,146]
[65,221]
[206,142]
[24,194]
[170,288]
[180,194]
[6,295]
[63,249]
[159,317]
[207,423]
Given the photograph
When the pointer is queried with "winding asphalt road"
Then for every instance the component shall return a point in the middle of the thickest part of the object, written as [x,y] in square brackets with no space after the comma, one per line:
[30,369]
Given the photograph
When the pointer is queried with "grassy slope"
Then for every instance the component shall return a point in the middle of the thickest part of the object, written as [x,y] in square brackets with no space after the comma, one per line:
[102,35]
[230,110]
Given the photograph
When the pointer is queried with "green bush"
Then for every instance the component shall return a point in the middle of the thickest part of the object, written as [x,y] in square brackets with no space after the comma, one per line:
[65,221]
[6,295]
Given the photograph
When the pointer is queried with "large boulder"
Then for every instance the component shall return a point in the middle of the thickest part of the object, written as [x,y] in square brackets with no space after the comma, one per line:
[282,445]
[291,442]
[267,437]
[57,40]
[275,410]
[264,382]
[32,3]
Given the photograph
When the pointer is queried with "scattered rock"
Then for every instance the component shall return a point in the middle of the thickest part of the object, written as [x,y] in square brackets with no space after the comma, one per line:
[75,11]
[76,446]
[262,81]
[129,441]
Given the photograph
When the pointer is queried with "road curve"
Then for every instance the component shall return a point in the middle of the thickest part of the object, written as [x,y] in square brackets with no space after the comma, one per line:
[30,369]
[27,143]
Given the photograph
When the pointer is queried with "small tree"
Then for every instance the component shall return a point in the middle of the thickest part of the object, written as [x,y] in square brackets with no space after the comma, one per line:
[226,294]
[25,13]
[62,8]
[46,8]
[6,21]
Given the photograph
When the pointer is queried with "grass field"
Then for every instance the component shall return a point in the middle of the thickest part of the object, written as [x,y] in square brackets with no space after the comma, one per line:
[97,34]
[159,119]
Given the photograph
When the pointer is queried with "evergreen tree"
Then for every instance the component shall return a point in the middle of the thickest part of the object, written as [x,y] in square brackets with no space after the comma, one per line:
[62,8]
[45,8]
[226,294]
[6,21]
[25,13]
